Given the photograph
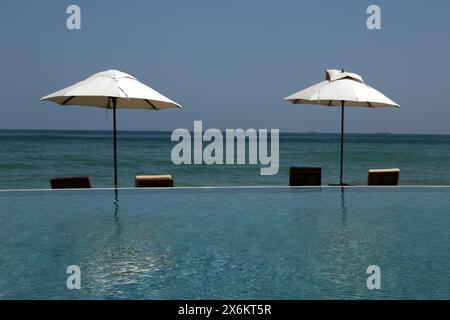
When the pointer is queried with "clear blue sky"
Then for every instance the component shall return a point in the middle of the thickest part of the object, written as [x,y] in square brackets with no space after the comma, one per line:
[228,62]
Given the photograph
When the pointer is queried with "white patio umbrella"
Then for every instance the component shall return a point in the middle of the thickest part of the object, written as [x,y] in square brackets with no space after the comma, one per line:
[342,89]
[112,89]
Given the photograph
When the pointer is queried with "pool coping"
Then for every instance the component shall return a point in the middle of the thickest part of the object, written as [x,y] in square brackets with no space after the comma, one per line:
[229,187]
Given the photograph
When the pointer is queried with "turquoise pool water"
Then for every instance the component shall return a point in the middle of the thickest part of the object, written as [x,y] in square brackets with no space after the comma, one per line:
[248,243]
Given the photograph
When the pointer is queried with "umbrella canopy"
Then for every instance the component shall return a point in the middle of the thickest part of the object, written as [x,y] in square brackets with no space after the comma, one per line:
[99,89]
[342,89]
[112,89]
[342,86]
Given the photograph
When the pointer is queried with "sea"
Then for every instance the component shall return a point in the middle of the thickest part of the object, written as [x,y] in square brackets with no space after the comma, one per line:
[29,158]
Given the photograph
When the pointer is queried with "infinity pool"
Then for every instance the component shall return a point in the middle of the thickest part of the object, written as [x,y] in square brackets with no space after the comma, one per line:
[226,243]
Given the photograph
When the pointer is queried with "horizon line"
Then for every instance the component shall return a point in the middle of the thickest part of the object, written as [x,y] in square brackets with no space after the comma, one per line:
[288,132]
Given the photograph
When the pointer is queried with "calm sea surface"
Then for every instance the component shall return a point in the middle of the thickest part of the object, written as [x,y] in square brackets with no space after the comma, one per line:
[29,158]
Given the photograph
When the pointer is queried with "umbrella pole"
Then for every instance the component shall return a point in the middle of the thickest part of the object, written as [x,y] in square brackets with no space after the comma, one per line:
[115,142]
[341,182]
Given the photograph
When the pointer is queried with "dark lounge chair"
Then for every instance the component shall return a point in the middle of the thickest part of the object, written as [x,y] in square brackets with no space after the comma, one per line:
[70,183]
[303,176]
[383,177]
[154,181]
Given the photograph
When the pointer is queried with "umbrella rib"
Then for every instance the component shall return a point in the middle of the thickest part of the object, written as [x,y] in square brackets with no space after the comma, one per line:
[68,99]
[123,92]
[151,104]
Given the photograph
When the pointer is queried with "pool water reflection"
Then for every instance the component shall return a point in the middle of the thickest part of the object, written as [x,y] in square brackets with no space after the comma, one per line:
[244,243]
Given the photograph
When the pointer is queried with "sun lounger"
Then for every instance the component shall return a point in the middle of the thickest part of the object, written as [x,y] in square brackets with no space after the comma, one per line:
[383,177]
[70,183]
[303,176]
[154,181]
